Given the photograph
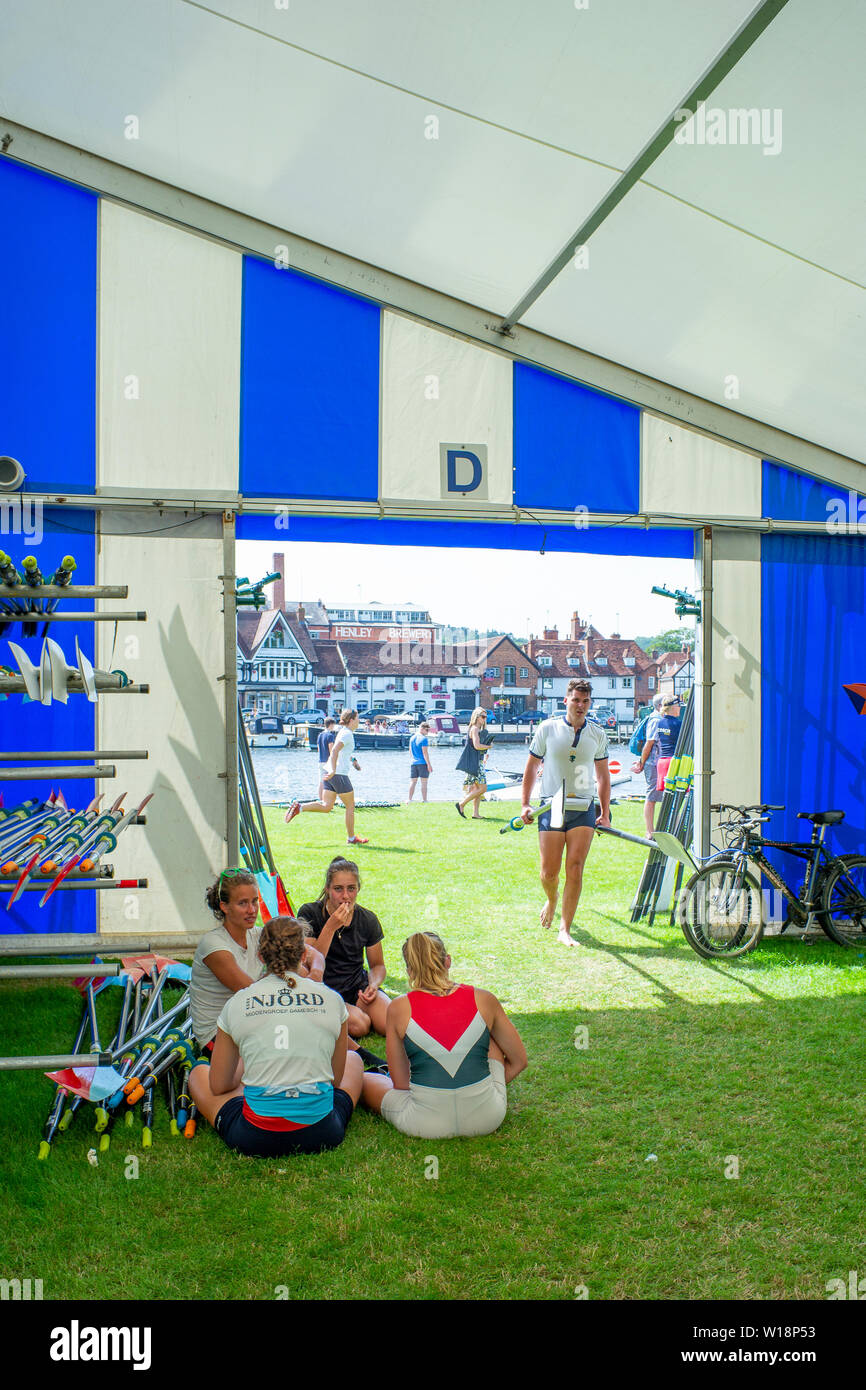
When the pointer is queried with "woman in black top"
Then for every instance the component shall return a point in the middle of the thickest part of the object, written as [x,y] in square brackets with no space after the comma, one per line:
[344,933]
[472,763]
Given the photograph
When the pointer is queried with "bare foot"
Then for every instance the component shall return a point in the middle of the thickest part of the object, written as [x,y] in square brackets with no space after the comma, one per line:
[565,938]
[547,912]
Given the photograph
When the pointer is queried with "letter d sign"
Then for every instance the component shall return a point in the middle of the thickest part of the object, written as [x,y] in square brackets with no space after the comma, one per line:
[462,470]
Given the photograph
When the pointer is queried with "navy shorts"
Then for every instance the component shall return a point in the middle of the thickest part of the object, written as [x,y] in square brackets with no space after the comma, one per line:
[337,784]
[419,770]
[350,995]
[235,1130]
[572,819]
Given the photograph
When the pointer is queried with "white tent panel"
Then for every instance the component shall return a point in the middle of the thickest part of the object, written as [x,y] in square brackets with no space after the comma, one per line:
[438,390]
[686,473]
[590,77]
[809,198]
[687,299]
[179,653]
[169,355]
[736,756]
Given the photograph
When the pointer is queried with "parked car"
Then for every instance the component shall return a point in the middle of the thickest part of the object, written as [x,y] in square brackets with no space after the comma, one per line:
[305,716]
[605,716]
[529,716]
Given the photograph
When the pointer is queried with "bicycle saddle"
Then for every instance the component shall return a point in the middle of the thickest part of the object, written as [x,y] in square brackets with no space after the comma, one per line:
[822,817]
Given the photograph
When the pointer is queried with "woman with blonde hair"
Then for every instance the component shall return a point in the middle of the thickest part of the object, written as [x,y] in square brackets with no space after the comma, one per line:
[472,763]
[451,1052]
[300,1084]
[335,778]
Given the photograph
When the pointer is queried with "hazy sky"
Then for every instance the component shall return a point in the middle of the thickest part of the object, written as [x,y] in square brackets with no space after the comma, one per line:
[511,591]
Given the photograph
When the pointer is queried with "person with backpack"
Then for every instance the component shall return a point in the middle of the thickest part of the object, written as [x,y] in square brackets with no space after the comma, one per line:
[648,755]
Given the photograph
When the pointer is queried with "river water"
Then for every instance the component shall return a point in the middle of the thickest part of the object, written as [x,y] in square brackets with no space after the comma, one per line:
[284,774]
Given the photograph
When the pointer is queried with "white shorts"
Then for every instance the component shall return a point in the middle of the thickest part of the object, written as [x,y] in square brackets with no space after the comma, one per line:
[429,1113]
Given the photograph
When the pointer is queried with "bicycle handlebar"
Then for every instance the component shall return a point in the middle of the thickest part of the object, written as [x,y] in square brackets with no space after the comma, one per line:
[728,806]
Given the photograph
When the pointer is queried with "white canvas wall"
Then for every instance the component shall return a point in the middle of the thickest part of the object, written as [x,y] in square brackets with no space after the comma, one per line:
[440,389]
[684,473]
[169,356]
[736,667]
[179,653]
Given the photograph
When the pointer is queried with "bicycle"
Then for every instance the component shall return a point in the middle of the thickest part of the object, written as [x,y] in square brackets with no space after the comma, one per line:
[721,909]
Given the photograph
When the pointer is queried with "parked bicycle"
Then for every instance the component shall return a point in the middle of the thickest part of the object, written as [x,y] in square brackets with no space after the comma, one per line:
[722,909]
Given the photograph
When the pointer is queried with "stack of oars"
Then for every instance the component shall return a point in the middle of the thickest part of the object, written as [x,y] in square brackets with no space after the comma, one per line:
[151,1045]
[662,875]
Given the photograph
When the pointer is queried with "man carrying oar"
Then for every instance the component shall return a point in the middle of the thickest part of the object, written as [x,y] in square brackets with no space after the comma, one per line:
[574,750]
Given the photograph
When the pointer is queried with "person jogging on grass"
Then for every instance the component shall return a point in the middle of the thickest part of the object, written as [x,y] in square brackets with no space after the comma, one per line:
[335,780]
[323,744]
[419,751]
[574,750]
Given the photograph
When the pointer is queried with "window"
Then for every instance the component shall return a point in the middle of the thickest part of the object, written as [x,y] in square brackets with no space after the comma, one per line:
[573,661]
[492,672]
[399,682]
[547,683]
[626,682]
[509,675]
[611,682]
[545,661]
[651,682]
[428,683]
[629,660]
[524,673]
[601,661]
[362,684]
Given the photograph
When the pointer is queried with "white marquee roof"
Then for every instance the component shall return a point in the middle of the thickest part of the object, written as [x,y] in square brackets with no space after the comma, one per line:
[722,263]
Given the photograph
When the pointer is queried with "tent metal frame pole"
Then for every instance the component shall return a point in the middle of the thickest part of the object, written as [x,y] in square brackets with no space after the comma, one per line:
[703,771]
[229,227]
[230,679]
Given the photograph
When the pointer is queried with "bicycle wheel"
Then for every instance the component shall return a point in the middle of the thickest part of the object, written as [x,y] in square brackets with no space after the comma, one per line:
[721,910]
[843,904]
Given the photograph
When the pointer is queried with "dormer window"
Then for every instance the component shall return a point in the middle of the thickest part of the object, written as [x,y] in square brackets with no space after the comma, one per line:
[601,661]
[545,661]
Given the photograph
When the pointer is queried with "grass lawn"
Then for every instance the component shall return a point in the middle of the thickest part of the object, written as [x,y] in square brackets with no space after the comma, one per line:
[754,1066]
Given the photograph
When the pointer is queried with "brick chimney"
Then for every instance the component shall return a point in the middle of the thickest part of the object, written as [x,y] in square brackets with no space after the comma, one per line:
[551,634]
[576,626]
[302,612]
[278,588]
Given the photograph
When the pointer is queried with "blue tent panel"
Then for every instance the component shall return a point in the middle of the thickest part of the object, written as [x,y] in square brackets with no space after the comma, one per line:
[573,447]
[813,741]
[62,727]
[666,543]
[48,246]
[309,388]
[791,496]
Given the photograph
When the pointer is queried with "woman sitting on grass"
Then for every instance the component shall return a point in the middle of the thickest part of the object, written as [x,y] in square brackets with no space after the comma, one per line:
[301,1085]
[226,958]
[345,933]
[451,1052]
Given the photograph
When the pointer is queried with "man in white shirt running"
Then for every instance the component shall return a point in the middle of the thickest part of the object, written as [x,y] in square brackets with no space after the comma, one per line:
[574,750]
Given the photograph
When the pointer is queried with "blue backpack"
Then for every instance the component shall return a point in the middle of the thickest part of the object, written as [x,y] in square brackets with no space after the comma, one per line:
[638,738]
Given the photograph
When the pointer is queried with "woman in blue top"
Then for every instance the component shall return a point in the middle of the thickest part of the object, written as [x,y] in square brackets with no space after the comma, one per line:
[421,767]
[666,733]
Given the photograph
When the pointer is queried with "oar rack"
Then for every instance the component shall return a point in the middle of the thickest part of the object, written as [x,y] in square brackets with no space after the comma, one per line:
[82,764]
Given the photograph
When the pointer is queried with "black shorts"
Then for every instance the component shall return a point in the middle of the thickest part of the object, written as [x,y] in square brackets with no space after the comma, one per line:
[350,995]
[235,1130]
[419,770]
[337,784]
[572,819]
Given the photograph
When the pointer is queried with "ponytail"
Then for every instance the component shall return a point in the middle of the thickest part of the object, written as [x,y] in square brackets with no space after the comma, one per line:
[425,956]
[281,947]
